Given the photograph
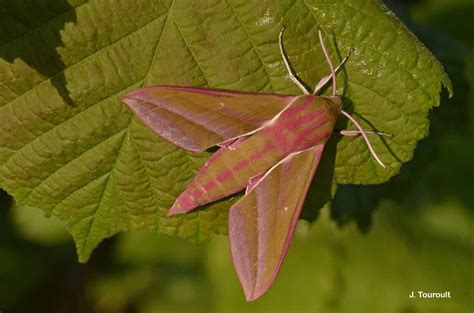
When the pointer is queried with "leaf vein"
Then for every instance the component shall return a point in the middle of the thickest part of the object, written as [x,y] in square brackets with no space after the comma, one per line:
[98,206]
[192,53]
[43,181]
[153,59]
[46,132]
[33,88]
[254,46]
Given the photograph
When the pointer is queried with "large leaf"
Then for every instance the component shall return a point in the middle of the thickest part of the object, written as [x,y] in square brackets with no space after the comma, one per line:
[70,147]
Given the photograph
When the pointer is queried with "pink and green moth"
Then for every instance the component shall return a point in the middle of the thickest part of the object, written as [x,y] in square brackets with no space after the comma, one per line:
[270,145]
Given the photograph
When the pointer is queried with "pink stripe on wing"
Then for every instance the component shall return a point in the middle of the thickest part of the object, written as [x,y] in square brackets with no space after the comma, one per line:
[242,164]
[197,193]
[224,176]
[299,108]
[209,185]
[309,117]
[256,155]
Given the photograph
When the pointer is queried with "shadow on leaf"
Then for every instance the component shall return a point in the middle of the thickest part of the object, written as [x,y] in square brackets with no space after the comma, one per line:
[31,31]
[441,167]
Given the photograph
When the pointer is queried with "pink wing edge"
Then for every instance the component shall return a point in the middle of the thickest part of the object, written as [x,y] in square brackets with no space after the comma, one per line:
[204,90]
[130,102]
[252,295]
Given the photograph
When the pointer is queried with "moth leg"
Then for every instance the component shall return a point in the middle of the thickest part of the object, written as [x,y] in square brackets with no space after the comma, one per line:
[363,133]
[354,133]
[291,74]
[327,78]
[232,143]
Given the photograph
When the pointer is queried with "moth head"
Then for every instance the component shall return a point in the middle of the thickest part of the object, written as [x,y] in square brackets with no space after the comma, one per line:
[336,104]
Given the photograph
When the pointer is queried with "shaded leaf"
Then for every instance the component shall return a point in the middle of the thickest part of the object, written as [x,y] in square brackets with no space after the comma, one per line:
[70,147]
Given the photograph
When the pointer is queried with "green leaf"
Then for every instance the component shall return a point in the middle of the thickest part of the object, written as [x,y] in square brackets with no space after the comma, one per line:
[70,147]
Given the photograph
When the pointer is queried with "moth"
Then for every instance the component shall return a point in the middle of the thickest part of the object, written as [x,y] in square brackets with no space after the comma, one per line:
[270,145]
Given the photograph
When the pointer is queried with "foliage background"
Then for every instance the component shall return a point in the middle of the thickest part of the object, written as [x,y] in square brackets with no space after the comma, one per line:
[366,253]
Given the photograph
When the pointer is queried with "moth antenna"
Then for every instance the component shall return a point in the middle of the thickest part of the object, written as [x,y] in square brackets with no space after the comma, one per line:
[326,79]
[328,59]
[364,135]
[291,74]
